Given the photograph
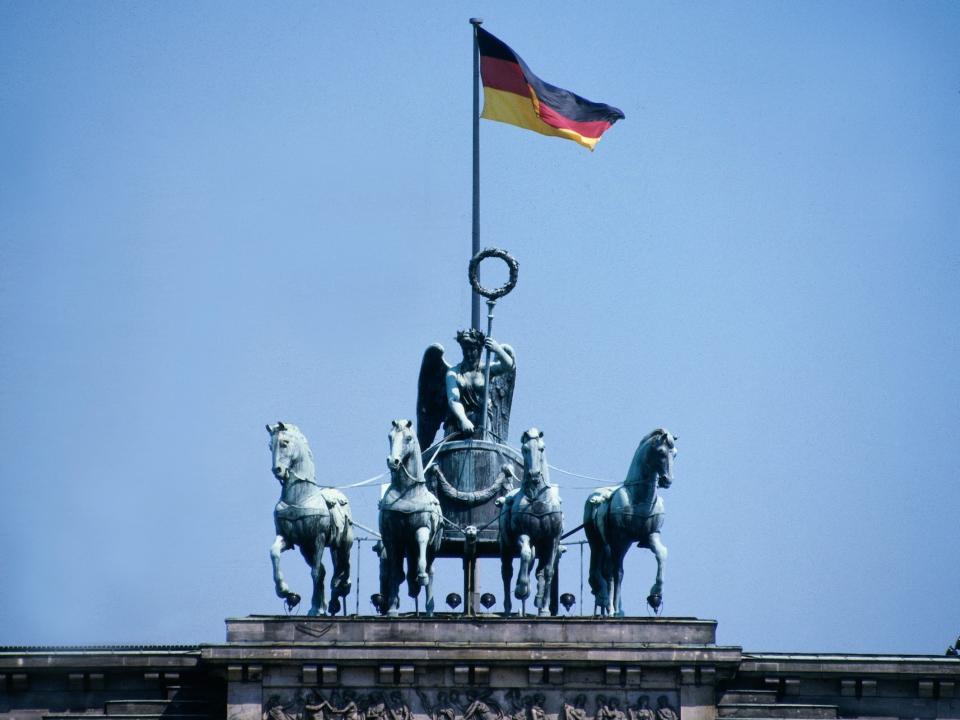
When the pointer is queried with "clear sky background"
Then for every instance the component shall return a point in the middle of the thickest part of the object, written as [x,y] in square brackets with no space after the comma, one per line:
[217,215]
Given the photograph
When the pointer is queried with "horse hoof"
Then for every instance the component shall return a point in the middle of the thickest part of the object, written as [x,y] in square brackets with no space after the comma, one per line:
[334,606]
[654,600]
[544,612]
[291,600]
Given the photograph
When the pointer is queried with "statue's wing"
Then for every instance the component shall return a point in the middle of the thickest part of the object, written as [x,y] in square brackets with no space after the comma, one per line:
[431,394]
[501,392]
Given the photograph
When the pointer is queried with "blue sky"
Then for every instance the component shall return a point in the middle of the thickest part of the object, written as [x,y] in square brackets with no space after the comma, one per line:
[217,215]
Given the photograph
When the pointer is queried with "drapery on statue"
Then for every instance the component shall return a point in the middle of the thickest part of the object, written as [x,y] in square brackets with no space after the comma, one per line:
[615,518]
[531,522]
[309,517]
[410,522]
[453,395]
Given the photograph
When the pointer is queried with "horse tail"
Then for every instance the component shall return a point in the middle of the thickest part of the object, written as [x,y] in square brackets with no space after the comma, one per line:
[590,508]
[597,548]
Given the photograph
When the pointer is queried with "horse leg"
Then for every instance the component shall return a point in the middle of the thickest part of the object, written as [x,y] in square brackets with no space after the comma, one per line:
[283,591]
[428,605]
[523,573]
[538,600]
[595,575]
[506,572]
[313,554]
[340,580]
[395,575]
[423,541]
[617,553]
[660,552]
[605,577]
[548,565]
[598,564]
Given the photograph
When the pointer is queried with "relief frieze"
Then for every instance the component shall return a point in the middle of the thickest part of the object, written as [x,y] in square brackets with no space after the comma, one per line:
[466,704]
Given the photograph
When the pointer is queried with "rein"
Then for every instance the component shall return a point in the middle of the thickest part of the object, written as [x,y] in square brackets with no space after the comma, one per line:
[543,488]
[298,479]
[414,482]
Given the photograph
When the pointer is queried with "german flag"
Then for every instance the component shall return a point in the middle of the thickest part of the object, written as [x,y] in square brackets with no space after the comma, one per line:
[512,94]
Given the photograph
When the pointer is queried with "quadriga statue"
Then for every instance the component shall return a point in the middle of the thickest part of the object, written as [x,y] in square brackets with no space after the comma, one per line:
[310,517]
[615,518]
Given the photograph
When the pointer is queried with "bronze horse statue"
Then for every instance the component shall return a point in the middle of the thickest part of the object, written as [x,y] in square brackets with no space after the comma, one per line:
[309,517]
[531,523]
[410,522]
[615,518]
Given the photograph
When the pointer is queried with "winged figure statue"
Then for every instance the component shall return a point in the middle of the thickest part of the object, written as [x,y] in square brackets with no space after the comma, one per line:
[452,395]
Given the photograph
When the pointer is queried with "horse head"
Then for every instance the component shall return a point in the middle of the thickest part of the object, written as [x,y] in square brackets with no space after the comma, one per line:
[404,461]
[290,452]
[535,469]
[659,451]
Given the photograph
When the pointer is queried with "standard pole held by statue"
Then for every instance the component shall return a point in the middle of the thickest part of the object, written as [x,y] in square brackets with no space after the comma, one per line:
[486,373]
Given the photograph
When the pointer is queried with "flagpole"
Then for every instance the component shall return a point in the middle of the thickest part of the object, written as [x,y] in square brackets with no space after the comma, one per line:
[475,312]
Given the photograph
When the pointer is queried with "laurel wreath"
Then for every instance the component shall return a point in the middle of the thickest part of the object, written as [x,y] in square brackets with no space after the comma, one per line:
[499,292]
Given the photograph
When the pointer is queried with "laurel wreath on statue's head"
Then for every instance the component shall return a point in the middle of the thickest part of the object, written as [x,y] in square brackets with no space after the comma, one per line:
[499,292]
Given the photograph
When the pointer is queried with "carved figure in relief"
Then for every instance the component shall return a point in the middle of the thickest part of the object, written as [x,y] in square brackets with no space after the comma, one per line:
[608,708]
[276,710]
[397,707]
[664,711]
[576,711]
[316,707]
[310,517]
[535,709]
[478,708]
[377,707]
[525,707]
[351,707]
[614,518]
[515,701]
[642,711]
[442,710]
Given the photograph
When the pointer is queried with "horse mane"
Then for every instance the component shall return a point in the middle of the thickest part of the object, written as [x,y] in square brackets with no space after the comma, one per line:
[651,439]
[297,435]
[418,456]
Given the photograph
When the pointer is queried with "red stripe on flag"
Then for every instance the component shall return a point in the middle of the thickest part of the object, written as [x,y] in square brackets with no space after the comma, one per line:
[503,75]
[592,129]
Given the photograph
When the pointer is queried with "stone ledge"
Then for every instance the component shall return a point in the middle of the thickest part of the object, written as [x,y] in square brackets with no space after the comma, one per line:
[532,632]
[863,665]
[502,654]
